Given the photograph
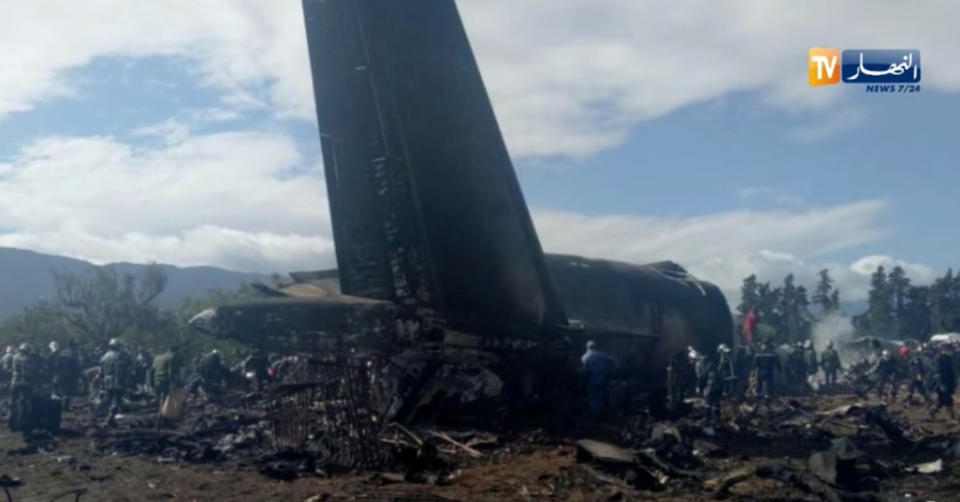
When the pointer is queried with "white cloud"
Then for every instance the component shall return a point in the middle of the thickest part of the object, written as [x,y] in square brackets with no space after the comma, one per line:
[213,199]
[726,247]
[567,77]
[772,195]
[228,199]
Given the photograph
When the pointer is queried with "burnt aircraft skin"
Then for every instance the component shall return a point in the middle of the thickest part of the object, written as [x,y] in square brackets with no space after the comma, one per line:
[645,314]
[436,249]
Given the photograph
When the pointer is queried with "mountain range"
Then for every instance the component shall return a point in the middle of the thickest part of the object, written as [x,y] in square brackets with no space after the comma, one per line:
[26,277]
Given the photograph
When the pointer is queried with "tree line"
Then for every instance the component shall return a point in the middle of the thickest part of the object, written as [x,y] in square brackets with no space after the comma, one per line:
[898,309]
[787,312]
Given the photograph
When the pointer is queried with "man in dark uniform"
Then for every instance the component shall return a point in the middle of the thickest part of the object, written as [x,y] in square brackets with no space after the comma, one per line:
[946,381]
[680,380]
[212,372]
[885,374]
[918,376]
[65,366]
[767,363]
[830,362]
[257,368]
[797,364]
[597,367]
[114,372]
[744,366]
[727,370]
[713,390]
[25,374]
[810,354]
[6,368]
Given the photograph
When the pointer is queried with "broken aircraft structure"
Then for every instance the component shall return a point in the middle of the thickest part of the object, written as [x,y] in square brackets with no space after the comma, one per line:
[440,270]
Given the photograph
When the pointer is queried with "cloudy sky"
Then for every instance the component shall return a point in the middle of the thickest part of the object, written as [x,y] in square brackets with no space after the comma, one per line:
[183,132]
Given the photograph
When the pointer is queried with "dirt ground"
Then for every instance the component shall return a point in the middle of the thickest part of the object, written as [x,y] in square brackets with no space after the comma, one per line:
[515,469]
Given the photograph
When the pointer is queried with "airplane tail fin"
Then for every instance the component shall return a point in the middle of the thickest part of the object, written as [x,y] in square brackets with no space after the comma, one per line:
[425,202]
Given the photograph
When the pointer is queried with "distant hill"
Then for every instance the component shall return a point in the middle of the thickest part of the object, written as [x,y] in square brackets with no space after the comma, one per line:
[25,278]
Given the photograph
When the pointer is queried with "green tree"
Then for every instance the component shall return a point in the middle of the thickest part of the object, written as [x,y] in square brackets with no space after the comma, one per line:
[879,319]
[899,286]
[825,296]
[101,303]
[944,300]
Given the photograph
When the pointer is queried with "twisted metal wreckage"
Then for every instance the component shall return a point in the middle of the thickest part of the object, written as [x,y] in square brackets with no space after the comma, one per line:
[443,294]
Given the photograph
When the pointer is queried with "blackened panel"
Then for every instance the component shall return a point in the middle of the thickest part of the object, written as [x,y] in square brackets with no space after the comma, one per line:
[456,233]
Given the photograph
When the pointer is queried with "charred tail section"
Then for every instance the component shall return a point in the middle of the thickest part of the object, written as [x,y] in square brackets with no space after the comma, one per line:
[426,206]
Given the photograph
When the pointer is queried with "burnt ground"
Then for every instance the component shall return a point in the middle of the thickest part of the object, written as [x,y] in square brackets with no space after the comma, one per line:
[522,465]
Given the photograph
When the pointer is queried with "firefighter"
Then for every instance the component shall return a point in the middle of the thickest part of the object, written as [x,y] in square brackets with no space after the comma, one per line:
[114,372]
[918,377]
[597,367]
[256,368]
[713,390]
[885,374]
[25,372]
[65,367]
[830,362]
[946,381]
[810,356]
[6,368]
[213,374]
[727,370]
[767,363]
[680,380]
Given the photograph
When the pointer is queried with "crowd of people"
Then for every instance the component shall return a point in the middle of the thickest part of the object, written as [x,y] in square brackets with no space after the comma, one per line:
[42,383]
[761,371]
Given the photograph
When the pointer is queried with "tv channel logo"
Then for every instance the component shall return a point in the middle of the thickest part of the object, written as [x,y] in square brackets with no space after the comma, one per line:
[881,66]
[824,66]
[827,65]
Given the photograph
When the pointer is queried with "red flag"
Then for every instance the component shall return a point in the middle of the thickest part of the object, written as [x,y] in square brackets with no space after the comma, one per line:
[748,321]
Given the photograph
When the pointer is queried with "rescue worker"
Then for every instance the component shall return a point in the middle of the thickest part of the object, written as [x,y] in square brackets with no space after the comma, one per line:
[885,374]
[23,381]
[797,364]
[830,362]
[726,369]
[597,367]
[744,365]
[946,381]
[810,357]
[142,367]
[256,368]
[699,367]
[767,363]
[213,374]
[6,368]
[166,373]
[65,367]
[114,371]
[680,380]
[713,390]
[918,377]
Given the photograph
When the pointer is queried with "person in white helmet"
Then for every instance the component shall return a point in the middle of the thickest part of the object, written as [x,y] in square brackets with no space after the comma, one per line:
[115,368]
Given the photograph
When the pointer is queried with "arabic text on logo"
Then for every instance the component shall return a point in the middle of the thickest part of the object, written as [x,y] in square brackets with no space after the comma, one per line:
[827,65]
[881,66]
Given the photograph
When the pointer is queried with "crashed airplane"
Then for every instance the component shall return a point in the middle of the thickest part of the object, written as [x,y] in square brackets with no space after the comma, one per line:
[440,269]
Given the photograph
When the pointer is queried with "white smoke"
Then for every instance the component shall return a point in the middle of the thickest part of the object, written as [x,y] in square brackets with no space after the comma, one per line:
[835,328]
